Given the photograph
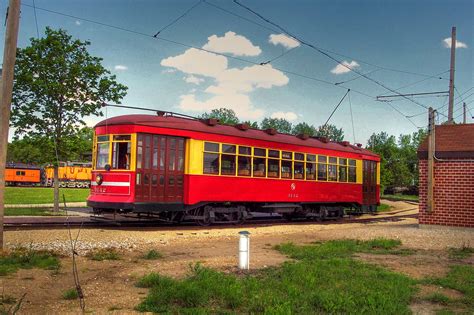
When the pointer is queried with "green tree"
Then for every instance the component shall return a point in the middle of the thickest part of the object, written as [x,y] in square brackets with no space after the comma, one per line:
[252,124]
[304,128]
[29,150]
[57,84]
[279,124]
[226,116]
[331,132]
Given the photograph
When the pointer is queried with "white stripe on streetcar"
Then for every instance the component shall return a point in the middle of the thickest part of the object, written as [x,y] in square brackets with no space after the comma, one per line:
[121,184]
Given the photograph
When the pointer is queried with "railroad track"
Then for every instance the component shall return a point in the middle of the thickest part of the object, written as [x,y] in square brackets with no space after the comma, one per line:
[95,222]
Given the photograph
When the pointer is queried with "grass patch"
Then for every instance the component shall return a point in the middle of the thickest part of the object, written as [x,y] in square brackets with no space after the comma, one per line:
[26,259]
[32,212]
[70,294]
[438,298]
[461,253]
[398,197]
[152,255]
[324,278]
[38,195]
[383,208]
[104,254]
[460,278]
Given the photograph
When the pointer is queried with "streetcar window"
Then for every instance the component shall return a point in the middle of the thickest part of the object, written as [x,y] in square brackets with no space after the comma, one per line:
[227,148]
[211,147]
[122,138]
[342,170]
[211,163]
[310,171]
[102,155]
[311,158]
[322,168]
[286,155]
[299,169]
[352,174]
[259,152]
[274,153]
[258,167]
[102,138]
[228,164]
[299,156]
[245,150]
[273,167]
[286,169]
[121,155]
[244,165]
[332,169]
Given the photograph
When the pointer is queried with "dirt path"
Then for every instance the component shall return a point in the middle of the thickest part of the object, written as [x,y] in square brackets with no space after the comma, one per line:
[109,284]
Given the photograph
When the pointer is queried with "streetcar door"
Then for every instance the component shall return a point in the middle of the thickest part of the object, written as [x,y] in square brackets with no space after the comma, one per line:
[160,168]
[369,183]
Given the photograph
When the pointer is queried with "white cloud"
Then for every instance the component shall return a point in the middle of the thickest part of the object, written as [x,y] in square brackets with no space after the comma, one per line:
[120,68]
[168,71]
[193,79]
[345,67]
[78,22]
[229,87]
[290,116]
[447,43]
[237,45]
[194,61]
[282,39]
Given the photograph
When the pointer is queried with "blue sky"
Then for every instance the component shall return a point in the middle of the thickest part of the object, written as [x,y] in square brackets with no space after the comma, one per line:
[403,35]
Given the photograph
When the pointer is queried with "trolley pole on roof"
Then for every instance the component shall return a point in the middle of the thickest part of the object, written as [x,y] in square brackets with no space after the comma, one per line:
[451,76]
[431,153]
[464,114]
[6,89]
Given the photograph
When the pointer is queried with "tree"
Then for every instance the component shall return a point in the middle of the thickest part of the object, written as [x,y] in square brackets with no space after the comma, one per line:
[304,128]
[226,116]
[251,124]
[58,83]
[279,124]
[331,132]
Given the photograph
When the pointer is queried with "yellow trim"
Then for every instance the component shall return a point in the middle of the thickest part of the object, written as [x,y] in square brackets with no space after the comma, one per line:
[359,171]
[194,157]
[378,173]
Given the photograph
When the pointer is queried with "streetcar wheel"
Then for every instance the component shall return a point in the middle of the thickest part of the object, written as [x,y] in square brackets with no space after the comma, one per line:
[204,212]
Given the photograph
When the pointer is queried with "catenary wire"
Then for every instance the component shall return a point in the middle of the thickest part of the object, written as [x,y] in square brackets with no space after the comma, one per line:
[178,18]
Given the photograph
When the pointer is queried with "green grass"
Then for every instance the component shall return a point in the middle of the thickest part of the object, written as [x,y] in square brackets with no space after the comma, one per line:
[383,208]
[104,254]
[459,278]
[32,212]
[70,294]
[27,259]
[461,253]
[438,298]
[152,255]
[401,197]
[38,195]
[323,278]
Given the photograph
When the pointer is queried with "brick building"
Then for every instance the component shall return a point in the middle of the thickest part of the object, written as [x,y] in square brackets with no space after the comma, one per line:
[453,177]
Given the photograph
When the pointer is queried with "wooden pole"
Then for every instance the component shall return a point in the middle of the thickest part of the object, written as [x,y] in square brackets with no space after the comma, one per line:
[9,58]
[464,114]
[431,153]
[451,76]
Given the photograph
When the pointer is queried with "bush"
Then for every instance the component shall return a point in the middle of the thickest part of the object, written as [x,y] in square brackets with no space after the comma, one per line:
[104,254]
[70,294]
[152,255]
[23,258]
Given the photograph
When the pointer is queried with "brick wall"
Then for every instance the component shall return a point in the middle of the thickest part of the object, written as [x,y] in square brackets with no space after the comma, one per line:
[453,193]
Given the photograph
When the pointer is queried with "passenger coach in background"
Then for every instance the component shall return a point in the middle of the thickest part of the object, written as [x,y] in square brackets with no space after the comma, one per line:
[187,169]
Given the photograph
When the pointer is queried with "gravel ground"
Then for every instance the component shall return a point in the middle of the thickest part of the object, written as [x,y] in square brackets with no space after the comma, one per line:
[405,229]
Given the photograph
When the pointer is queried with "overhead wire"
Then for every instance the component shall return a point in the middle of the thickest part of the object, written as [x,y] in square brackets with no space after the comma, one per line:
[36,20]
[335,108]
[327,54]
[178,18]
[352,118]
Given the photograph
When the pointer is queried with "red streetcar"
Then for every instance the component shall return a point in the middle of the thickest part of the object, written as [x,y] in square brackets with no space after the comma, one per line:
[179,168]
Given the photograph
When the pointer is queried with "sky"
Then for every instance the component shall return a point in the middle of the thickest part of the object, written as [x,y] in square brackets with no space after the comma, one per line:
[395,43]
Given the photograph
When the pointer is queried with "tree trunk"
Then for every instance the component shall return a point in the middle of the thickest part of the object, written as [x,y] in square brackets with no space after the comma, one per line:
[56,188]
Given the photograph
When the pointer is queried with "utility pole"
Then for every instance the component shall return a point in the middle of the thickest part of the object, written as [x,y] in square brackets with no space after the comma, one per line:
[464,114]
[451,76]
[9,58]
[431,152]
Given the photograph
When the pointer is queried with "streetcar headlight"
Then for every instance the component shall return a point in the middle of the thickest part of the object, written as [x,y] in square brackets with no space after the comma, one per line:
[99,179]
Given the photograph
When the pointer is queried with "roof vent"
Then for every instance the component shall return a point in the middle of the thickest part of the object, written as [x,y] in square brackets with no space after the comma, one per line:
[303,136]
[271,131]
[323,139]
[242,126]
[211,121]
[344,143]
[160,113]
[359,145]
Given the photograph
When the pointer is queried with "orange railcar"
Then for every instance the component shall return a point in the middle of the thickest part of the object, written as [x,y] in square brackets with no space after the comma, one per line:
[22,175]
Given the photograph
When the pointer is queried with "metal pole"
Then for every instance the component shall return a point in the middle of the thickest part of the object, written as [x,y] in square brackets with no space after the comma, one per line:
[431,151]
[9,57]
[244,250]
[451,75]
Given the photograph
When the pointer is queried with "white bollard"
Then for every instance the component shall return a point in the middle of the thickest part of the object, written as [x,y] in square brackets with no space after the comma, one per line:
[244,250]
